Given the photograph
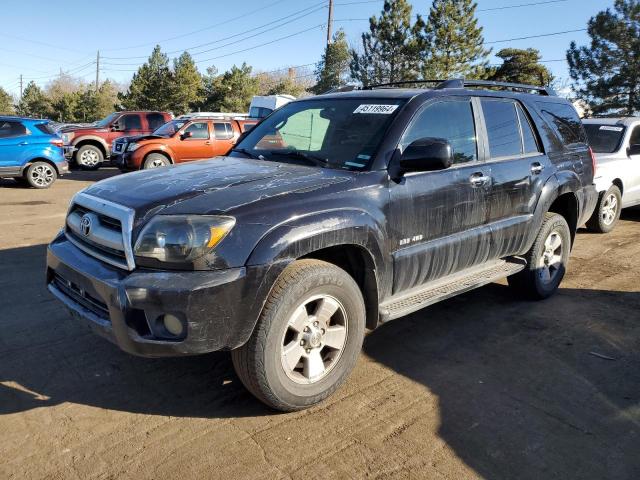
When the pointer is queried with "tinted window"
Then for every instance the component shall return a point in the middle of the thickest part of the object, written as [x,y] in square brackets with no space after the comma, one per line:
[259,112]
[130,122]
[528,137]
[12,129]
[45,128]
[155,120]
[247,126]
[451,120]
[502,128]
[198,130]
[635,136]
[223,131]
[565,120]
[605,138]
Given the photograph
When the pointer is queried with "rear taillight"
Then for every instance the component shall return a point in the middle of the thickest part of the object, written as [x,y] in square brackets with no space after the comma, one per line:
[593,161]
[57,142]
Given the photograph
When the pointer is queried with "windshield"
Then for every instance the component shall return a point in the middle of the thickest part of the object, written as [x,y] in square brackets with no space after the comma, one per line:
[105,122]
[604,138]
[337,133]
[170,128]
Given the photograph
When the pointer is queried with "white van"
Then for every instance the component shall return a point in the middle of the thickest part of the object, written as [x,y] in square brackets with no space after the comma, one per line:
[261,106]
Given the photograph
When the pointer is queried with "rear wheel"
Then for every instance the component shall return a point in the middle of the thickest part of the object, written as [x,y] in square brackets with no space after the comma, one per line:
[607,212]
[547,260]
[307,339]
[89,157]
[155,160]
[40,175]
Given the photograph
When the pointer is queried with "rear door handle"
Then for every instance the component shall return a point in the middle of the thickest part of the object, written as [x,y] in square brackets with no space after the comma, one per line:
[537,168]
[479,179]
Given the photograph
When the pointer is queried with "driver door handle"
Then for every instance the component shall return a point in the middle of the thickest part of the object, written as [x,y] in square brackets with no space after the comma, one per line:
[208,142]
[479,179]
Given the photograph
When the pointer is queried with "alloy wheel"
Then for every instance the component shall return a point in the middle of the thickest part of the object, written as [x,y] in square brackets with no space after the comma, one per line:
[42,175]
[609,209]
[550,262]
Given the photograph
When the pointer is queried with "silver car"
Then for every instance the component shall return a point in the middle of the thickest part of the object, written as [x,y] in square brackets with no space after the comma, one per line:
[616,144]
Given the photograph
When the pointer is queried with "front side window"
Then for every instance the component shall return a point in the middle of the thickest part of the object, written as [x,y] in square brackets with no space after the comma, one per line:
[451,120]
[605,138]
[503,128]
[12,129]
[106,121]
[336,133]
[199,130]
[130,122]
[170,128]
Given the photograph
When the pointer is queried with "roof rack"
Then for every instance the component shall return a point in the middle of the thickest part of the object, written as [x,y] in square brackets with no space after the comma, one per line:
[462,83]
[214,115]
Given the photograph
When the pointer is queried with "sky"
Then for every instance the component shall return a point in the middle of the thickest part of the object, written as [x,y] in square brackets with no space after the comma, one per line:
[40,38]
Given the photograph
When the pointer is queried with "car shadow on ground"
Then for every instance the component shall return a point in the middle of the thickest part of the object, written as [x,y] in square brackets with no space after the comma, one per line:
[525,389]
[528,389]
[75,175]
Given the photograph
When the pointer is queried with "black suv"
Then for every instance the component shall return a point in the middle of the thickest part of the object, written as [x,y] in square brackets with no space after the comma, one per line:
[334,214]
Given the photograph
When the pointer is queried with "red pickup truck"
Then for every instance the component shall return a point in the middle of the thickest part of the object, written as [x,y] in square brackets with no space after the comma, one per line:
[89,146]
[185,139]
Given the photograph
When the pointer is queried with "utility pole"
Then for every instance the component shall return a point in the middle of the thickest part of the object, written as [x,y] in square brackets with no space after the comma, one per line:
[330,22]
[97,71]
[20,86]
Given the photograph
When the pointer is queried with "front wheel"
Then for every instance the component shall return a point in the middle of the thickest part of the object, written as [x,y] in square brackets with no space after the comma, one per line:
[307,339]
[547,260]
[607,212]
[155,160]
[89,157]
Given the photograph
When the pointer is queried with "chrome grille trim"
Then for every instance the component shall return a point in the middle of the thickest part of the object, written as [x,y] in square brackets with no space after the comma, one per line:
[104,234]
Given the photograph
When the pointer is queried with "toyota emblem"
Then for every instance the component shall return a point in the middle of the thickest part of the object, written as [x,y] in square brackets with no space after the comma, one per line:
[85,225]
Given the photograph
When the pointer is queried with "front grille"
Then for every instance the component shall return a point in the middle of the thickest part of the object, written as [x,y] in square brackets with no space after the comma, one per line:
[81,297]
[101,229]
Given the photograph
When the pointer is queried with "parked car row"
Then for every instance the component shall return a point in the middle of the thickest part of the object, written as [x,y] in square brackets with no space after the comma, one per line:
[334,214]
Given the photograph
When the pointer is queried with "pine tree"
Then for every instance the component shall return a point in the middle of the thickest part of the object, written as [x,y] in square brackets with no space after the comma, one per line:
[34,103]
[390,48]
[605,74]
[522,66]
[187,88]
[96,105]
[334,65]
[6,103]
[151,86]
[453,41]
[231,91]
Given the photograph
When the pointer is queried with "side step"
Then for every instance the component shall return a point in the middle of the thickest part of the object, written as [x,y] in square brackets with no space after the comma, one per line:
[447,287]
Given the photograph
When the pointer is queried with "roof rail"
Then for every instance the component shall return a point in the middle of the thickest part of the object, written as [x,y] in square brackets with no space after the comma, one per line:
[401,83]
[462,83]
[343,88]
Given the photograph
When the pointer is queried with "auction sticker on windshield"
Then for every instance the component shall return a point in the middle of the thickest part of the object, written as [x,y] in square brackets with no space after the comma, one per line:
[379,109]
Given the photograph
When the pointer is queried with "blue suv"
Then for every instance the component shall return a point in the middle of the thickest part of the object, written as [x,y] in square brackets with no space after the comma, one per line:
[31,151]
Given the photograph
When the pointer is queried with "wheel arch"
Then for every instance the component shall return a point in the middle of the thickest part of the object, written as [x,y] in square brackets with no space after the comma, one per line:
[159,151]
[39,159]
[95,141]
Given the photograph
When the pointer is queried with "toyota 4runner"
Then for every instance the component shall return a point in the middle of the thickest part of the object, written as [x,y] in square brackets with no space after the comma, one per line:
[334,214]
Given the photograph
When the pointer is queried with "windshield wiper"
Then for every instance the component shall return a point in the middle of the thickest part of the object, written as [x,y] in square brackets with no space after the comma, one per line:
[323,162]
[248,153]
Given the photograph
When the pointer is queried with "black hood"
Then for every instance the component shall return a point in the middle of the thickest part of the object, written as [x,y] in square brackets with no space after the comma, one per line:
[137,138]
[212,186]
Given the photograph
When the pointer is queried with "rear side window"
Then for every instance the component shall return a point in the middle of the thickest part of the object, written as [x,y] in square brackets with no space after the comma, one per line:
[223,131]
[45,128]
[565,121]
[155,120]
[503,129]
[604,138]
[12,129]
[451,120]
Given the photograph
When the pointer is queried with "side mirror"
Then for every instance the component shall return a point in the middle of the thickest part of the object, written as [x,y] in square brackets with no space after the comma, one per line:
[186,135]
[115,127]
[427,154]
[633,149]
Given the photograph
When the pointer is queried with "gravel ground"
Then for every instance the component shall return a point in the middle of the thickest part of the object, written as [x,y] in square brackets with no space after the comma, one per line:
[480,386]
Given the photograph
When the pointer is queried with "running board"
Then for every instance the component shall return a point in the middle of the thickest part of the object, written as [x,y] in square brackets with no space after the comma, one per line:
[447,287]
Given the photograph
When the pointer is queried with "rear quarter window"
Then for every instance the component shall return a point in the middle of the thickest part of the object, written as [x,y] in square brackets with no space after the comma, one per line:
[45,128]
[565,121]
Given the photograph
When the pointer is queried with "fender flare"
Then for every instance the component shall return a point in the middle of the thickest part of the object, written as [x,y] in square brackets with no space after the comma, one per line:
[92,138]
[156,148]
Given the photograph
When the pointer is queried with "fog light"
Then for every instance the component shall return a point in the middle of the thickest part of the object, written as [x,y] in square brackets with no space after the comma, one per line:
[173,325]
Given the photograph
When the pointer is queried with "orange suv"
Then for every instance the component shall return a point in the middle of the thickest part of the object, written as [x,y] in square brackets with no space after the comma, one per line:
[185,139]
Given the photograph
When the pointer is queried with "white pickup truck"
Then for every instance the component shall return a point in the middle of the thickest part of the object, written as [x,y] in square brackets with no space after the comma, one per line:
[616,144]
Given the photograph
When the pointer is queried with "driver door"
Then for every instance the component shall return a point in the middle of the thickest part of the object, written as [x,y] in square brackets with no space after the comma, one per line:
[438,219]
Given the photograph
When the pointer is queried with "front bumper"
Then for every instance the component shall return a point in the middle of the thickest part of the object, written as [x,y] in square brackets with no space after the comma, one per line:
[219,309]
[123,161]
[63,167]
[69,150]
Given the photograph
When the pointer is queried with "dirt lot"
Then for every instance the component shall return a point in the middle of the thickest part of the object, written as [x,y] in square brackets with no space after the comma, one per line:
[481,386]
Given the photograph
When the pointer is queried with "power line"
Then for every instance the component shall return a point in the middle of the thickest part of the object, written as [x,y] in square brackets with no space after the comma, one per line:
[536,36]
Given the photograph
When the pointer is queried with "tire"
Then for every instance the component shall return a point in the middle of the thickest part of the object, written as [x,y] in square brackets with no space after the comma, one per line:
[40,175]
[302,290]
[547,260]
[89,157]
[155,160]
[607,212]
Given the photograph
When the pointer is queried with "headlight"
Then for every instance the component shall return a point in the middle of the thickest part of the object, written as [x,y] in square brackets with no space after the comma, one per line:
[132,147]
[181,239]
[67,137]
